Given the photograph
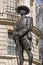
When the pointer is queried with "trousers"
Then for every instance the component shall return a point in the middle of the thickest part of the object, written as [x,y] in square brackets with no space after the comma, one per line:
[24,44]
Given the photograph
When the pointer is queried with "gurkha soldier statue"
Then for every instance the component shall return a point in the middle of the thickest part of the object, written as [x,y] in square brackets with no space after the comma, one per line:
[22,34]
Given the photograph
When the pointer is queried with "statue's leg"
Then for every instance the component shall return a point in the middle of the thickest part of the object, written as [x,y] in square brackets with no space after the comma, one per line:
[27,47]
[21,58]
[20,52]
[30,56]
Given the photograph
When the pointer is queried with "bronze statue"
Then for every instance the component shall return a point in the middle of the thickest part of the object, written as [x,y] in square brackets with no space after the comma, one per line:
[22,34]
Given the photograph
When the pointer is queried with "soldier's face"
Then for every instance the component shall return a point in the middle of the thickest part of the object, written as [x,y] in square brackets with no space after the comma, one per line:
[22,12]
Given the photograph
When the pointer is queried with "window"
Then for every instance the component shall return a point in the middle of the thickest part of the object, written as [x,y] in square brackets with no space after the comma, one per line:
[1,8]
[42,21]
[11,45]
[41,56]
[11,5]
[10,17]
[41,50]
[37,22]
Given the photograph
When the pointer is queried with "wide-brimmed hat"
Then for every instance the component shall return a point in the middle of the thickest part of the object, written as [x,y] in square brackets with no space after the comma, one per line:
[20,8]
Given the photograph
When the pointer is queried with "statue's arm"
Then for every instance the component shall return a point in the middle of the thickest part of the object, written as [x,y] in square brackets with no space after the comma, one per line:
[24,31]
[31,27]
[15,32]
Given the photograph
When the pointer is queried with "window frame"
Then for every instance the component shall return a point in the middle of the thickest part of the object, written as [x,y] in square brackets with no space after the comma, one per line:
[11,45]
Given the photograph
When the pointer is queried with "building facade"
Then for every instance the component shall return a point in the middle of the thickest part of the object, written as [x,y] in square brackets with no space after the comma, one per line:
[8,18]
[39,24]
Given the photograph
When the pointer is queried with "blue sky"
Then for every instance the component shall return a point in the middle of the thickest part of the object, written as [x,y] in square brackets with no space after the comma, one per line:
[38,1]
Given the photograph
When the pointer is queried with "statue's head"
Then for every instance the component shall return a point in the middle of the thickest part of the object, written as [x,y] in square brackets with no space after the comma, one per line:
[22,10]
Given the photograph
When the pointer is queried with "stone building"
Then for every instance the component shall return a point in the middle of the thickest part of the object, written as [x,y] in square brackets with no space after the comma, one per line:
[8,18]
[39,24]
